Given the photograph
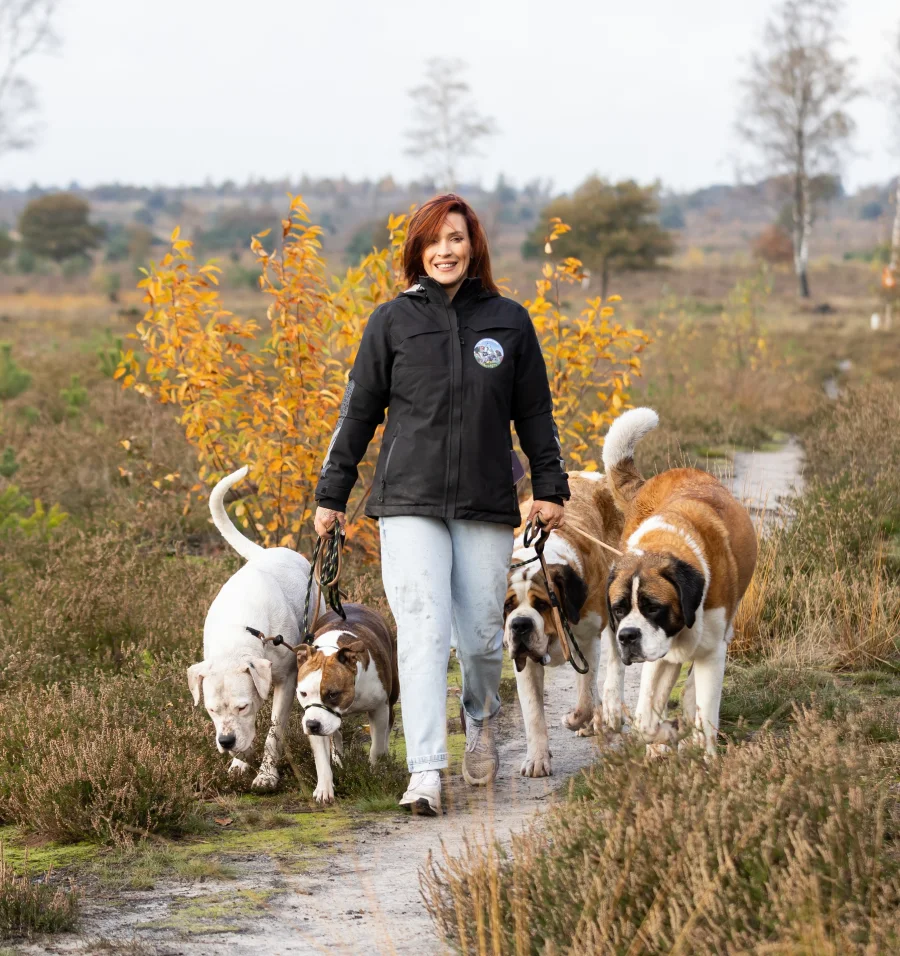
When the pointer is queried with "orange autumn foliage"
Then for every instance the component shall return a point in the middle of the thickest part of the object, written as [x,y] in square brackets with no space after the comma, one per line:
[268,395]
[590,359]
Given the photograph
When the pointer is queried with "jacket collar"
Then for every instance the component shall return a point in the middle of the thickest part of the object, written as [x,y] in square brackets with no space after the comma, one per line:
[428,289]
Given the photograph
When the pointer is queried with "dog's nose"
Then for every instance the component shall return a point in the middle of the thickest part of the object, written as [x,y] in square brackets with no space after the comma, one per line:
[629,635]
[313,727]
[521,625]
[227,741]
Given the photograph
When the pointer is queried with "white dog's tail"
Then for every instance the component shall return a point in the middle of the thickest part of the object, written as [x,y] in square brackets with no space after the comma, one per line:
[244,546]
[618,453]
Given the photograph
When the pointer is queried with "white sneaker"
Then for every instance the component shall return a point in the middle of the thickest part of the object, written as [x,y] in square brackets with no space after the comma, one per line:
[423,795]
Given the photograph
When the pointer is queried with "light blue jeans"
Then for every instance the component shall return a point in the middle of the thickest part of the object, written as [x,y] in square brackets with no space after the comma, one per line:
[442,576]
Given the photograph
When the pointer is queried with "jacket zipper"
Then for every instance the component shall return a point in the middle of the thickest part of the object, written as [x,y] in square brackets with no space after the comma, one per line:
[387,465]
[455,399]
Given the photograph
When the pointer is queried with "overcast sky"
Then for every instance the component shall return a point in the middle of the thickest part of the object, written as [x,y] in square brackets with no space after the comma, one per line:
[175,91]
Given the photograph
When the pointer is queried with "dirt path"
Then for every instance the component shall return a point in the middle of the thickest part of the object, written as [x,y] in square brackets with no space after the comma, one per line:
[764,479]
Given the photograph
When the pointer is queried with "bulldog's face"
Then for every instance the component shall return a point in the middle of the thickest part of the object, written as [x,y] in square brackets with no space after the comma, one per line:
[652,598]
[528,626]
[233,696]
[328,679]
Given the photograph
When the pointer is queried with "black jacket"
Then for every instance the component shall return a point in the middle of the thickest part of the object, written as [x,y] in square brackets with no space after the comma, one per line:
[452,375]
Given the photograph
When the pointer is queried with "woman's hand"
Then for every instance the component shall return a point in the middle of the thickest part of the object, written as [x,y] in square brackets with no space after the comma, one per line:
[325,519]
[552,515]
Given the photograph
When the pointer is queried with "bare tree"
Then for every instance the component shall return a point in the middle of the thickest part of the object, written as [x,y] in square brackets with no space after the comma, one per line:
[894,106]
[26,28]
[448,126]
[794,111]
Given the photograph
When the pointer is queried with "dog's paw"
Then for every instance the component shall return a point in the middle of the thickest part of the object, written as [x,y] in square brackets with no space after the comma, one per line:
[265,780]
[537,765]
[612,714]
[324,793]
[576,719]
[658,751]
[237,767]
[587,730]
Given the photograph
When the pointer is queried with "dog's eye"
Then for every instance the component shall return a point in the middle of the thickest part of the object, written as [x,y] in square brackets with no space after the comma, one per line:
[303,693]
[540,606]
[510,606]
[332,696]
[242,708]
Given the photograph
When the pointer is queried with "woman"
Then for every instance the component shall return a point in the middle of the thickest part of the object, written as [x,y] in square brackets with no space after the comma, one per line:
[453,362]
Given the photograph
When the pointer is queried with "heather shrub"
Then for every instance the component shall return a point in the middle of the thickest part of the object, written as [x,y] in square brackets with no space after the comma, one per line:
[104,602]
[112,785]
[33,906]
[783,841]
[827,585]
[110,760]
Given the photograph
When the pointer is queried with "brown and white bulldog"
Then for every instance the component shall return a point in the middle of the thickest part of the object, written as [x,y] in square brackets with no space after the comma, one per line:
[351,667]
[579,570]
[690,552]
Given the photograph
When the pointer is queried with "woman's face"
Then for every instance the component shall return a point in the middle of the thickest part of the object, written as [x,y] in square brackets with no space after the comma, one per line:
[446,259]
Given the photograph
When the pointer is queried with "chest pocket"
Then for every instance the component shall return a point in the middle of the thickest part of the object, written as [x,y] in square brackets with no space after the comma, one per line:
[490,344]
[421,344]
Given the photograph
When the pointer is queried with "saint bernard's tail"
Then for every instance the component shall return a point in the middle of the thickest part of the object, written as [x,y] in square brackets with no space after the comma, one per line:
[618,453]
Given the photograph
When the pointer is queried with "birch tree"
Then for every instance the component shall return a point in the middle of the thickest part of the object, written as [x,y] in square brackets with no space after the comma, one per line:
[894,106]
[448,126]
[26,29]
[794,110]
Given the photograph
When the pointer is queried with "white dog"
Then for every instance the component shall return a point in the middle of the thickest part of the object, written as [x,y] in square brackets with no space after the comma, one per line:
[238,669]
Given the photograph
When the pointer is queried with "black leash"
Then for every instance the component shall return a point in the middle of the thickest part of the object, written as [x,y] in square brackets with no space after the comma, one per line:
[326,563]
[536,536]
[325,567]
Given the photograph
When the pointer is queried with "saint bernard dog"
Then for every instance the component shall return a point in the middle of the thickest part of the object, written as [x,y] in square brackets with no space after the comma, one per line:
[579,570]
[690,552]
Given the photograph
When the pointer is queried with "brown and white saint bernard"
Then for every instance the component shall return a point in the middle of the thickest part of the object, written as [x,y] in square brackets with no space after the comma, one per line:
[579,570]
[690,552]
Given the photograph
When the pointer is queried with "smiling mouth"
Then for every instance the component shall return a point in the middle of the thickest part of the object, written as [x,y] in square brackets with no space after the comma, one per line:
[446,266]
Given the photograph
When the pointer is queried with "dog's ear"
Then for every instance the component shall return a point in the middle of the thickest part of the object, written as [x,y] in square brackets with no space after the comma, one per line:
[351,654]
[690,584]
[304,652]
[261,672]
[572,592]
[195,674]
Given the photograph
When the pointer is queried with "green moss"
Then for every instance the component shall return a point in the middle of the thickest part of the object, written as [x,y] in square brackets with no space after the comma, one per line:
[42,855]
[214,912]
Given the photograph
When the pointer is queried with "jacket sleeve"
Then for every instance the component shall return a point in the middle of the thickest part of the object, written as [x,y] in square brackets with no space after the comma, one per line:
[362,411]
[533,418]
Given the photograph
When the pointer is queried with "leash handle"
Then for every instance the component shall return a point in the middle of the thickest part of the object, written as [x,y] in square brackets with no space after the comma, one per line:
[535,534]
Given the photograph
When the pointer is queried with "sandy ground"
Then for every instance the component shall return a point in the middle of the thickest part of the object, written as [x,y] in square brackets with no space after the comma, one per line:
[363,895]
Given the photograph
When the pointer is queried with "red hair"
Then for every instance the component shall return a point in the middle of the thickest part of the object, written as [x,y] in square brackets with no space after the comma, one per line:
[424,227]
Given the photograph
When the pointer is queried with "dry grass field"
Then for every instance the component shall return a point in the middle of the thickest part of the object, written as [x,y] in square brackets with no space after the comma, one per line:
[786,844]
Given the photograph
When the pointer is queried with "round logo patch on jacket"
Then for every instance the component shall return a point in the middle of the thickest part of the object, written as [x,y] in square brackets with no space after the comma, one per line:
[488,353]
